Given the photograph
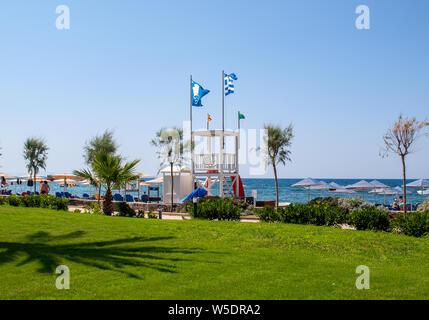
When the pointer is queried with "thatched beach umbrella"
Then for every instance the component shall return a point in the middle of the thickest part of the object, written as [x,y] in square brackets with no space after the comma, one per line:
[378,186]
[362,185]
[308,183]
[66,177]
[343,191]
[419,184]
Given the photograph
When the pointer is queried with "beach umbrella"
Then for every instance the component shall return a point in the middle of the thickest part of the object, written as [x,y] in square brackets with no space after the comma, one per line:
[419,184]
[425,192]
[343,191]
[336,185]
[308,182]
[155,181]
[176,169]
[362,185]
[378,185]
[65,177]
[6,176]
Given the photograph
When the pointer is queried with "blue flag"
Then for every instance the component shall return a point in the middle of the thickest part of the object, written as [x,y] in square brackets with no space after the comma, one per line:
[198,92]
[229,83]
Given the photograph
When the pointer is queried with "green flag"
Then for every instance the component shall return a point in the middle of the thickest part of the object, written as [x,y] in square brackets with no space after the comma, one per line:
[241,116]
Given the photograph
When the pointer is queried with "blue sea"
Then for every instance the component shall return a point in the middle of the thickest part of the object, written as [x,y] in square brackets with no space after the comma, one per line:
[266,190]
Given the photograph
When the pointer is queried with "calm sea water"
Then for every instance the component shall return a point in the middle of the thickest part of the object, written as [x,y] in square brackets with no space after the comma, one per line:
[266,190]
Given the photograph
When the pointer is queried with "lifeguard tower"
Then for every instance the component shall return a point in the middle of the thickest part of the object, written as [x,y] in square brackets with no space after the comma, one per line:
[216,170]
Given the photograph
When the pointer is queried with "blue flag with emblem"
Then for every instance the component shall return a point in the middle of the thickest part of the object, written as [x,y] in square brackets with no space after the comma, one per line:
[229,83]
[198,92]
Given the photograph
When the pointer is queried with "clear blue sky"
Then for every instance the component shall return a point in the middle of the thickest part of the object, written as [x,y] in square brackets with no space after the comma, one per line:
[125,65]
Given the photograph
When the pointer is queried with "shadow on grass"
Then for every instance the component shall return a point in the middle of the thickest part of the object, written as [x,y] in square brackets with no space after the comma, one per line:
[107,255]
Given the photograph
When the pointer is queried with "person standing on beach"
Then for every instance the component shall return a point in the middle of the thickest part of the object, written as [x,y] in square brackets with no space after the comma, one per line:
[44,188]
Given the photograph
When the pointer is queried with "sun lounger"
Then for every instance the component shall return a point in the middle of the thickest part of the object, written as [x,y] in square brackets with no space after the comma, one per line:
[129,198]
[118,197]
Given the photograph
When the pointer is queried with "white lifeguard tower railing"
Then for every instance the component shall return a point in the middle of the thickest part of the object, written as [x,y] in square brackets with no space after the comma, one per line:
[215,167]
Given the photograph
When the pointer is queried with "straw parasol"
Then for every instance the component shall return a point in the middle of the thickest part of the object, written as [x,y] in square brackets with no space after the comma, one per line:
[419,184]
[66,177]
[155,181]
[343,191]
[308,182]
[6,176]
[377,186]
[362,185]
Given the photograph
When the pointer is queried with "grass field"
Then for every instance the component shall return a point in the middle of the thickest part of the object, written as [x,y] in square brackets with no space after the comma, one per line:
[126,258]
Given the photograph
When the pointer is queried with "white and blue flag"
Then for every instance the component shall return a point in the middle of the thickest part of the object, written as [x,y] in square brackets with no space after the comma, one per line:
[198,92]
[229,83]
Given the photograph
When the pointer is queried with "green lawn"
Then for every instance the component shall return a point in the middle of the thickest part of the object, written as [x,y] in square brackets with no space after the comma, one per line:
[126,258]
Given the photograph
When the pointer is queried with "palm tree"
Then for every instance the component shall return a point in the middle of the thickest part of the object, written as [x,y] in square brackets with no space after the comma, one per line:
[111,172]
[277,142]
[104,143]
[36,154]
[172,147]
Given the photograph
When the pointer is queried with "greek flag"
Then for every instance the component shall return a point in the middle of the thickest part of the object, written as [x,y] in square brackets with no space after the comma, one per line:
[229,84]
[198,92]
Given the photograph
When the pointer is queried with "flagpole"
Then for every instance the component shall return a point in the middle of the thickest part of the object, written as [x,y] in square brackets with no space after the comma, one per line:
[223,108]
[190,112]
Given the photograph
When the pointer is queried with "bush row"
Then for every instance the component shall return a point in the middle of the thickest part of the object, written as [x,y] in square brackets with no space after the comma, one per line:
[37,201]
[216,209]
[324,213]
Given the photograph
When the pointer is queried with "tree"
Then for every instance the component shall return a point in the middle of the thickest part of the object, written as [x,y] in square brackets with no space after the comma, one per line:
[104,143]
[399,139]
[277,142]
[36,154]
[172,148]
[110,171]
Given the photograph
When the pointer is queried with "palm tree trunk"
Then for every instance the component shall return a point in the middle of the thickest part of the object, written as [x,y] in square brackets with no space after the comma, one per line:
[99,193]
[404,177]
[277,185]
[34,182]
[172,185]
[107,203]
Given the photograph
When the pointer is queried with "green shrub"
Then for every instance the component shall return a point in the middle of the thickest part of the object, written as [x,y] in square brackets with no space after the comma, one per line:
[151,215]
[424,207]
[124,209]
[267,214]
[59,203]
[415,224]
[330,201]
[321,214]
[2,200]
[370,219]
[216,209]
[353,204]
[93,208]
[13,201]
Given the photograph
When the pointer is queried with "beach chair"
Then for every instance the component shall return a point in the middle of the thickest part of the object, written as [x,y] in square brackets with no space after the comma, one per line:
[58,194]
[129,198]
[85,196]
[145,198]
[118,197]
